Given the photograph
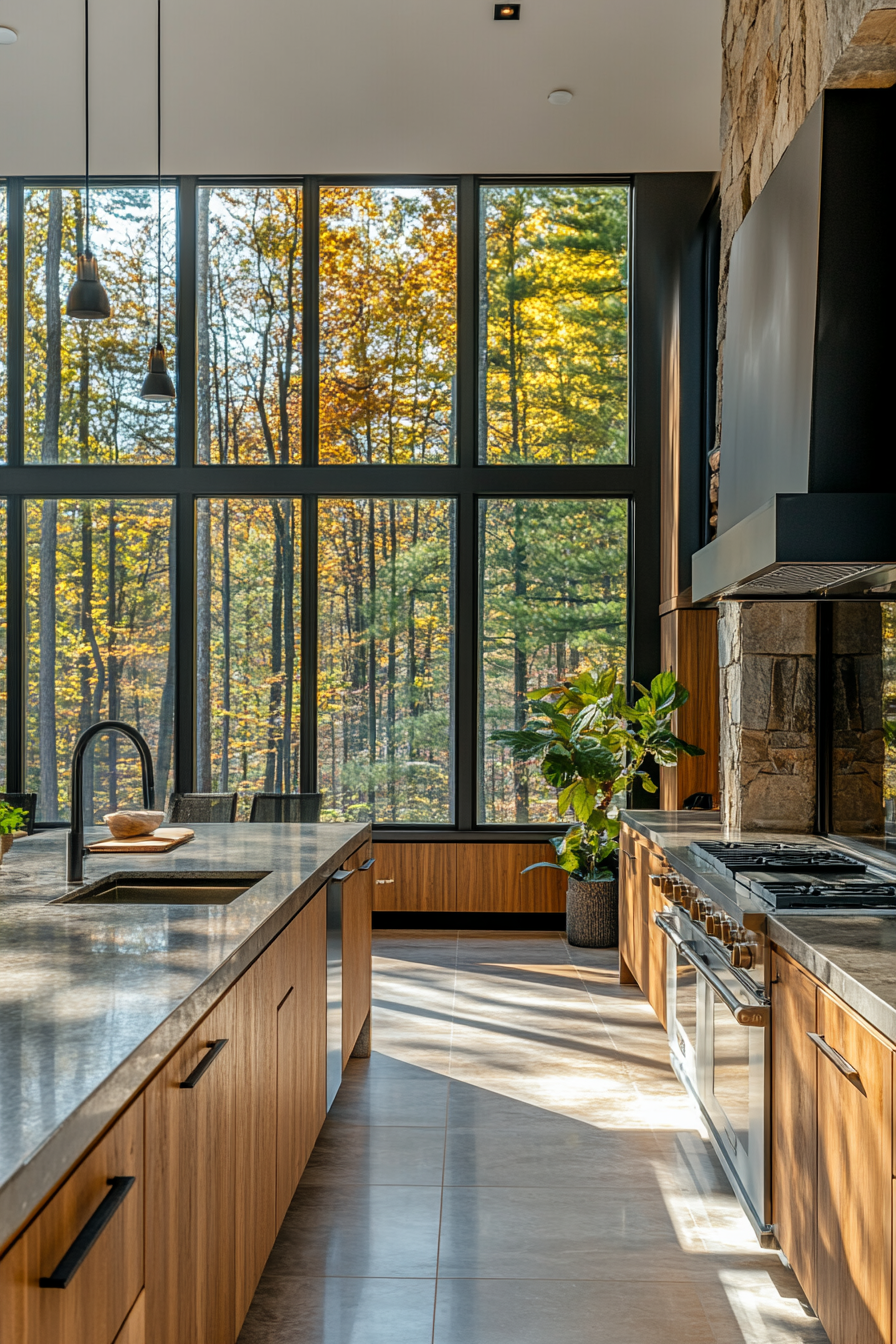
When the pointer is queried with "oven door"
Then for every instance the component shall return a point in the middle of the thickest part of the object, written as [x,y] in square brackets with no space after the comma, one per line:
[681,1001]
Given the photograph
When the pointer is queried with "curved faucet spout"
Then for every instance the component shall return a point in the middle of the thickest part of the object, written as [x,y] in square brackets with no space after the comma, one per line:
[74,868]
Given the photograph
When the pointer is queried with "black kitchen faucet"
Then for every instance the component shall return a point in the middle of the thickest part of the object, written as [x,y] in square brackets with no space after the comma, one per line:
[74,865]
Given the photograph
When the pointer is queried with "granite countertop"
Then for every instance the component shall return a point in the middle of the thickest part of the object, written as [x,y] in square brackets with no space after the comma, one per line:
[94,997]
[853,955]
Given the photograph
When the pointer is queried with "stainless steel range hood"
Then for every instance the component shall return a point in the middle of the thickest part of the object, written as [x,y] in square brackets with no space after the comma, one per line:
[807,492]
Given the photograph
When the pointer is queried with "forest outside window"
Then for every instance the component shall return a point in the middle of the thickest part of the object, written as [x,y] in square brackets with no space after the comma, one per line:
[99,618]
[553,324]
[4,318]
[388,325]
[83,379]
[553,599]
[249,324]
[248,619]
[386,659]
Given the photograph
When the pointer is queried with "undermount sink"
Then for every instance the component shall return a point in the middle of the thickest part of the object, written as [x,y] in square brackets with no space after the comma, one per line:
[164,889]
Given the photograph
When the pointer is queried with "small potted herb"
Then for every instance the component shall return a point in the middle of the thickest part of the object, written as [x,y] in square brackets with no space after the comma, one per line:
[12,822]
[591,744]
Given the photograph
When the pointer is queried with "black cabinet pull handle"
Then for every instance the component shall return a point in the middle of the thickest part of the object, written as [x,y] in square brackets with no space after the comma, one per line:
[851,1074]
[214,1049]
[368,864]
[342,874]
[83,1243]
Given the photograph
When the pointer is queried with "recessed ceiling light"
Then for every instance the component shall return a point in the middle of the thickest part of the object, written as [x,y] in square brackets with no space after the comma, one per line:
[560,97]
[7,37]
[507,11]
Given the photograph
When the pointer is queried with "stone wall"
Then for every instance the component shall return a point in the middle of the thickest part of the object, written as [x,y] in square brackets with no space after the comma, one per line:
[767,702]
[857,804]
[778,55]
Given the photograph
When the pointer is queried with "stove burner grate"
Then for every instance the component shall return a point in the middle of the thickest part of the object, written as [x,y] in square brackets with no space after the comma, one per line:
[777,857]
[831,895]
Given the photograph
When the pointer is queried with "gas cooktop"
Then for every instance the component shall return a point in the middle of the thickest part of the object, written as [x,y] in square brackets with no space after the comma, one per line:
[772,856]
[848,895]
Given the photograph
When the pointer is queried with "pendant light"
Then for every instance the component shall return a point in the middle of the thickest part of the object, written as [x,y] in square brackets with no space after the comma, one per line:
[157,385]
[87,299]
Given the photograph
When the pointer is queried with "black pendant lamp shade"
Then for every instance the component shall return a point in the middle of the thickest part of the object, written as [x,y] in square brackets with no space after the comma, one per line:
[157,385]
[87,299]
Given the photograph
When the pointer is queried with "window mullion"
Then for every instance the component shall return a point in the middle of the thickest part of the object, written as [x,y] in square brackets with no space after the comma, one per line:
[185,532]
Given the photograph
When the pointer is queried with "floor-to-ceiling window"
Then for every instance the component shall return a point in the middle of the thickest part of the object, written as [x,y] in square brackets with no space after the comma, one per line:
[400,486]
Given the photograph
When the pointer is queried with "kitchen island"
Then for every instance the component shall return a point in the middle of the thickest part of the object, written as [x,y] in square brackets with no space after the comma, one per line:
[99,1003]
[782,1027]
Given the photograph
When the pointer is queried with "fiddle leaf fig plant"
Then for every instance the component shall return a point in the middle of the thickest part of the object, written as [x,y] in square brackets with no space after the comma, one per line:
[591,745]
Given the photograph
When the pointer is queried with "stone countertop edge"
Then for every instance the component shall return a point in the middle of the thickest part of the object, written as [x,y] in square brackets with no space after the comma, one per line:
[869,988]
[38,1178]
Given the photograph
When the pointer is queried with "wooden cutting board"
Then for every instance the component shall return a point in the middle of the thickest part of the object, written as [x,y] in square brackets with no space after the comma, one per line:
[159,842]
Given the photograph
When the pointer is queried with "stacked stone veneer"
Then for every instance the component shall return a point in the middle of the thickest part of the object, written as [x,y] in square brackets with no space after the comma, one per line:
[857,804]
[778,56]
[767,694]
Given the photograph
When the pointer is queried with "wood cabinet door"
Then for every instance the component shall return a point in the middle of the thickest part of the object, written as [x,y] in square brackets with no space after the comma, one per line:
[628,899]
[190,1252]
[134,1329]
[414,877]
[794,1123]
[651,864]
[357,907]
[854,1244]
[104,1286]
[490,879]
[255,1063]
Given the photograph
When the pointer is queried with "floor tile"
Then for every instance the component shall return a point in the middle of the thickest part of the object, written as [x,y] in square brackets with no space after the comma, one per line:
[387,1099]
[369,1231]
[553,1154]
[471,1311]
[340,1311]
[376,1155]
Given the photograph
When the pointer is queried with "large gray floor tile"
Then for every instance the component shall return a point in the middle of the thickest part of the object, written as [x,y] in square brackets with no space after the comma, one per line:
[372,1231]
[392,1099]
[498,1311]
[552,1153]
[340,1311]
[376,1155]
[507,1232]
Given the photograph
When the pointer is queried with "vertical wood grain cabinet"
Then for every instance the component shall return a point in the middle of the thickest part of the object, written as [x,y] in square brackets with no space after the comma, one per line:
[832,1156]
[102,1291]
[179,1203]
[642,947]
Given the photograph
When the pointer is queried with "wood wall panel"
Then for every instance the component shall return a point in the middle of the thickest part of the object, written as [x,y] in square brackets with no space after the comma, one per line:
[310,925]
[490,879]
[689,645]
[97,1300]
[357,905]
[414,876]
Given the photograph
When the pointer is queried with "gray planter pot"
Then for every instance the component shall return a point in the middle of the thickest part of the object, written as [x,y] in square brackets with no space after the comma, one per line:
[592,913]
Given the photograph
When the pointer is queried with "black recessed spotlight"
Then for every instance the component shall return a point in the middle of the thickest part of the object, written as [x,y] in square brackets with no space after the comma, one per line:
[507,11]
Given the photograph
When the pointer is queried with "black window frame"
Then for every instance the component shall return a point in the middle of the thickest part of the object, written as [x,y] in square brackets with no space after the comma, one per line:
[654,218]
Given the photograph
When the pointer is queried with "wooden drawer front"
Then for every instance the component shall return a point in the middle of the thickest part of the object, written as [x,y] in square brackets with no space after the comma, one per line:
[490,878]
[414,877]
[102,1290]
[134,1329]
[855,1135]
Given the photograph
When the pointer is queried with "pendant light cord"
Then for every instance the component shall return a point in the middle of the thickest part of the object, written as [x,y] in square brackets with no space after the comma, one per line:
[87,127]
[159,168]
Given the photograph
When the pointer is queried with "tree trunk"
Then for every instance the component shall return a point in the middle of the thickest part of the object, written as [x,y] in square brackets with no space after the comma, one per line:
[225,621]
[203,645]
[371,661]
[273,774]
[390,677]
[48,763]
[482,390]
[520,703]
[485,803]
[166,710]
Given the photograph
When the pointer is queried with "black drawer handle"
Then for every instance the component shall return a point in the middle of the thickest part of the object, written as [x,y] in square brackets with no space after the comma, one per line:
[342,874]
[214,1049]
[368,864]
[83,1243]
[852,1075]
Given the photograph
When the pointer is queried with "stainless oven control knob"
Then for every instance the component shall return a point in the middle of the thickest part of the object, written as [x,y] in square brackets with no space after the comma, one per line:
[692,904]
[742,956]
[726,929]
[704,909]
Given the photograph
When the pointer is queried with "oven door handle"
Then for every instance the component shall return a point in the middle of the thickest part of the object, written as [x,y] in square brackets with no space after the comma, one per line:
[743,1013]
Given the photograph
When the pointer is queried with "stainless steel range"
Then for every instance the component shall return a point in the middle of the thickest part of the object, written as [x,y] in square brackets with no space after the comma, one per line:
[718,1006]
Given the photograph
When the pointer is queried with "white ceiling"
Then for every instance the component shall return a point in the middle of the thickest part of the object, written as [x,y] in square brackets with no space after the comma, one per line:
[364,86]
